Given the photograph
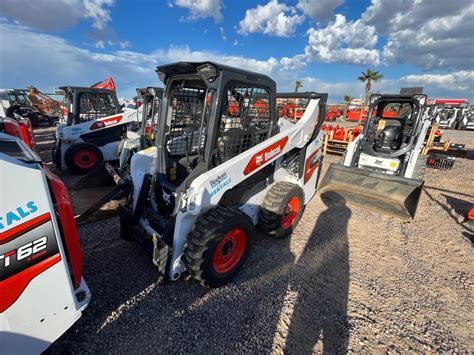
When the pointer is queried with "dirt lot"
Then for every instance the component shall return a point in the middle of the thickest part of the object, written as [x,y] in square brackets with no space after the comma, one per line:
[347,280]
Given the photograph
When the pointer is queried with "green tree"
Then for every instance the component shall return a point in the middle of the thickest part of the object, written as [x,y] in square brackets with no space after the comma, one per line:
[347,101]
[368,78]
[298,84]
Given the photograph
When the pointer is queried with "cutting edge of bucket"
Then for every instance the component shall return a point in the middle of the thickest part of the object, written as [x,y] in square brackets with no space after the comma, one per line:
[372,199]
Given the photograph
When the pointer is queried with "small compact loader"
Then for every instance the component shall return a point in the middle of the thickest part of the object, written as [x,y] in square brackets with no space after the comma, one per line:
[95,126]
[383,168]
[223,163]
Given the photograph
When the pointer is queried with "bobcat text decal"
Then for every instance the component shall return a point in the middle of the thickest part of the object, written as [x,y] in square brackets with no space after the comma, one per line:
[265,155]
[105,122]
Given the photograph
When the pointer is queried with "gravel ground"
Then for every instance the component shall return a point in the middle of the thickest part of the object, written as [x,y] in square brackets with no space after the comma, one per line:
[348,279]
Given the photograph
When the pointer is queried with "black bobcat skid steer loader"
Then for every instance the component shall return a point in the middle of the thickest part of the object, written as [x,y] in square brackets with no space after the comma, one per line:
[223,162]
[383,167]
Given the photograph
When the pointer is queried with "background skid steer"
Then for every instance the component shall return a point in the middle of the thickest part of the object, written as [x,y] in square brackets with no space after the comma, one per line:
[223,163]
[97,194]
[86,142]
[383,167]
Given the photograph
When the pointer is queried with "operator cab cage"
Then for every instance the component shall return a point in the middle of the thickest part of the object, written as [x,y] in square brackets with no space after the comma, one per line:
[87,104]
[393,124]
[210,114]
[150,102]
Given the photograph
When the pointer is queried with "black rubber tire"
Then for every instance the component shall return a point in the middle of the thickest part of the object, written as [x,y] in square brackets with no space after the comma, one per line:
[274,205]
[208,231]
[70,153]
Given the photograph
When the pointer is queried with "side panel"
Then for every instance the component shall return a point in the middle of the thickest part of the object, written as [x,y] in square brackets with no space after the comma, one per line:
[312,167]
[38,297]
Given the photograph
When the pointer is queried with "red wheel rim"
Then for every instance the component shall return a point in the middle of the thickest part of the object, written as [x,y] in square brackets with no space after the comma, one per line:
[229,251]
[85,158]
[290,213]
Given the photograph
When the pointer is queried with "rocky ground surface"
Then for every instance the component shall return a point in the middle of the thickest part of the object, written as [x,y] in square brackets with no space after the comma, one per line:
[348,279]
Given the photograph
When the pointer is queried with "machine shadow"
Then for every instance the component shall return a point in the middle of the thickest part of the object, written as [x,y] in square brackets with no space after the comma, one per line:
[243,316]
[255,308]
[322,282]
[454,207]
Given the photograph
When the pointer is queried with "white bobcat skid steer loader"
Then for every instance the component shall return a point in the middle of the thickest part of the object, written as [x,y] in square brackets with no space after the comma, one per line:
[383,168]
[449,117]
[95,127]
[150,110]
[223,163]
[468,118]
[42,292]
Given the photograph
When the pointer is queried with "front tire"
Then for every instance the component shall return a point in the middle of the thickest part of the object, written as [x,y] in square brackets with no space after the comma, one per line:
[282,209]
[218,245]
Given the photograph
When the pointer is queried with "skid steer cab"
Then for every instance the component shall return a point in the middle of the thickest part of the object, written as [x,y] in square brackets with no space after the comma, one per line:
[383,168]
[94,127]
[150,100]
[222,164]
[42,292]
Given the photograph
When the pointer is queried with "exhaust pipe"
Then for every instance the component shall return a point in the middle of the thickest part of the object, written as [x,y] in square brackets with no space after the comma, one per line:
[394,195]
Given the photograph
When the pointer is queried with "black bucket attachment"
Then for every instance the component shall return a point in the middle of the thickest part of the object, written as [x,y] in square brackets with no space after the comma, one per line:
[393,195]
[97,194]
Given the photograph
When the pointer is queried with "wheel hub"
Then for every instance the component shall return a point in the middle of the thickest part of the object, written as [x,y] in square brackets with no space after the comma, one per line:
[230,250]
[290,213]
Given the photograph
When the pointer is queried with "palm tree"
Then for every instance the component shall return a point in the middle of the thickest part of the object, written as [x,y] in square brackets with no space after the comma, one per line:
[347,101]
[298,84]
[368,77]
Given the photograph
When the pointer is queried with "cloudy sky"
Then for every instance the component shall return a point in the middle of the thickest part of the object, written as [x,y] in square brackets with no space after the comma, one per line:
[324,43]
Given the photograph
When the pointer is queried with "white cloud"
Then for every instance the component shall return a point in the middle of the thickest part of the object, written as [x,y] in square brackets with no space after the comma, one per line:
[202,8]
[428,34]
[343,42]
[462,80]
[58,62]
[98,11]
[223,36]
[354,88]
[274,19]
[319,9]
[294,63]
[52,15]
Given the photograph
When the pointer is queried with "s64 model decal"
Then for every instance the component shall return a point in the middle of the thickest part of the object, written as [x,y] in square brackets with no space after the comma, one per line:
[265,155]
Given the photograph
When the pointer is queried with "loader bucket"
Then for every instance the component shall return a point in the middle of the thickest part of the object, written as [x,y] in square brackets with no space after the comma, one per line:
[393,195]
[96,195]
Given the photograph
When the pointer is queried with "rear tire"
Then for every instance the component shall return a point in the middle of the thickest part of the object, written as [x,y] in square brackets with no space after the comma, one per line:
[282,209]
[83,157]
[218,245]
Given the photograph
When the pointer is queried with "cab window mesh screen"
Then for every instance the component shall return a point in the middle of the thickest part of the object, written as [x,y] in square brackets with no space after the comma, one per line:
[291,109]
[189,114]
[94,105]
[245,121]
